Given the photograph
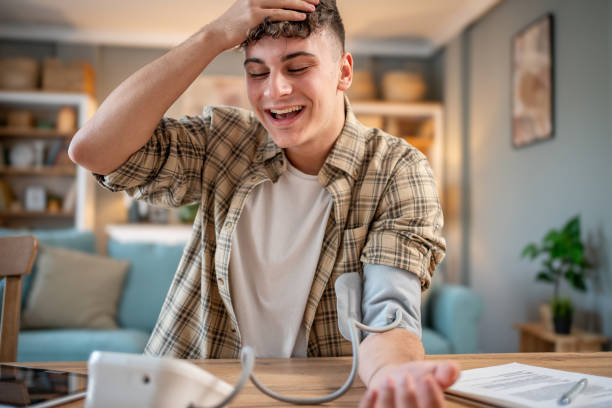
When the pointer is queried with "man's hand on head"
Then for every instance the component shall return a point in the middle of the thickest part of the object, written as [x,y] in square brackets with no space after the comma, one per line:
[232,27]
[416,384]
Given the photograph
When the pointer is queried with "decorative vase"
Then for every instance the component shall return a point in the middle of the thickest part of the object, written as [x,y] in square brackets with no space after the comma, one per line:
[563,325]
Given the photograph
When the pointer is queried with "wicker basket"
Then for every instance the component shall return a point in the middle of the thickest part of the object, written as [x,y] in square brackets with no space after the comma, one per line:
[77,76]
[362,88]
[19,73]
[402,86]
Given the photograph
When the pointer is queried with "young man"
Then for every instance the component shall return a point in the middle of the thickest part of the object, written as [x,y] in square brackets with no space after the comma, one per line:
[292,197]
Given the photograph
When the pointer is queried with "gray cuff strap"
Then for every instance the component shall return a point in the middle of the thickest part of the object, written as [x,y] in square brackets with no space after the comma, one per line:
[348,297]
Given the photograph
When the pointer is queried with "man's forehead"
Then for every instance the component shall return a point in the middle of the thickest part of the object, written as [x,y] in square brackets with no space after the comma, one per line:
[269,49]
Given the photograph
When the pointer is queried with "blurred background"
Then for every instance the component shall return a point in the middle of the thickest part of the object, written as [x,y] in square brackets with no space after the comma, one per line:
[510,100]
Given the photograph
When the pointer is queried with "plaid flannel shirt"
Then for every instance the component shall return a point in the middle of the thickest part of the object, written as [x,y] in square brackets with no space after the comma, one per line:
[385,211]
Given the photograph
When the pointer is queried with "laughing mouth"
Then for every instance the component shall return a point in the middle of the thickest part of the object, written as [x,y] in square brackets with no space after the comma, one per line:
[285,113]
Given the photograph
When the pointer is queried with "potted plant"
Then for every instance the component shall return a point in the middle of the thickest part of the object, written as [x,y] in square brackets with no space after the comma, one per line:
[563,256]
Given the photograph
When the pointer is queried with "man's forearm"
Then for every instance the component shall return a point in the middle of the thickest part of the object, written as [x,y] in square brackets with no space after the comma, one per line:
[129,115]
[381,351]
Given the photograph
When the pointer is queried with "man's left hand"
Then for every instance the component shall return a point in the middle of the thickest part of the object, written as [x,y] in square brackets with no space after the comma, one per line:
[416,384]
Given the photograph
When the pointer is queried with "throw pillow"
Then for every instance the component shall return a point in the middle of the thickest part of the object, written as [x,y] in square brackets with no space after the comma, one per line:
[73,289]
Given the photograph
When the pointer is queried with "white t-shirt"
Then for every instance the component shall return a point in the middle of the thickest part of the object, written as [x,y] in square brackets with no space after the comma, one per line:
[275,252]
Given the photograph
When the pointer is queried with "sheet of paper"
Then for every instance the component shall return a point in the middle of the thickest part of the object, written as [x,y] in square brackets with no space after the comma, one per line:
[520,385]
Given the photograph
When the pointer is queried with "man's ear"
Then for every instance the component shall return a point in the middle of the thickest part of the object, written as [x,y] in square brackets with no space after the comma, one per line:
[346,71]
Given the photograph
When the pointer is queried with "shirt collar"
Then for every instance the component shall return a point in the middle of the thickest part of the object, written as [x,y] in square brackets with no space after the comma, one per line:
[346,154]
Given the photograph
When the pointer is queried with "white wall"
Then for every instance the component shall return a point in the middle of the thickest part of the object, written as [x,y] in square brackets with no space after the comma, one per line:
[516,196]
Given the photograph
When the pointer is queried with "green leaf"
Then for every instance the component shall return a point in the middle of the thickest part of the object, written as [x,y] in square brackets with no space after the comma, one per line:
[576,279]
[552,237]
[572,228]
[579,283]
[576,254]
[557,251]
[530,251]
[544,277]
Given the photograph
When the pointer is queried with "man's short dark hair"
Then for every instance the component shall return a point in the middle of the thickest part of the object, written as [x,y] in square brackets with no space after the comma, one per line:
[326,15]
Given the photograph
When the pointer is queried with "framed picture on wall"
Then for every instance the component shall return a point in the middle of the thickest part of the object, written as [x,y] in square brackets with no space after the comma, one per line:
[533,83]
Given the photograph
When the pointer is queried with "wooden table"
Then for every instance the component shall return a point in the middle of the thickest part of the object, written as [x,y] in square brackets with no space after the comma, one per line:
[318,376]
[534,337]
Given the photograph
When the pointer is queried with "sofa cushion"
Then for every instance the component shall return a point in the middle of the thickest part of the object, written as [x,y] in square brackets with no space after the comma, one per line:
[77,345]
[434,343]
[147,281]
[84,241]
[73,289]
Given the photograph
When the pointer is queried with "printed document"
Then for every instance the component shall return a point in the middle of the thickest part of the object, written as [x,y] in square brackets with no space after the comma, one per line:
[526,386]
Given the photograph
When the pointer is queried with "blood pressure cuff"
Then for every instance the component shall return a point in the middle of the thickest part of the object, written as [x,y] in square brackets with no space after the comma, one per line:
[374,300]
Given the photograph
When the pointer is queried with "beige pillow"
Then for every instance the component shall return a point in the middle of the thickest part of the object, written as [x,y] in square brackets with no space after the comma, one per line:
[73,289]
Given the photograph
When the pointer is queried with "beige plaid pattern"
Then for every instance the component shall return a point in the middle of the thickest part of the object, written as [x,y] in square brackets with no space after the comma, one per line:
[385,211]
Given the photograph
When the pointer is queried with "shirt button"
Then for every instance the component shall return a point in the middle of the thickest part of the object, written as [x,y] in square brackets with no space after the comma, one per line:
[221,282]
[228,225]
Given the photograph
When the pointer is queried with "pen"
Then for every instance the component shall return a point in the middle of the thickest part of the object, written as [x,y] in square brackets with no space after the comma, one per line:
[577,388]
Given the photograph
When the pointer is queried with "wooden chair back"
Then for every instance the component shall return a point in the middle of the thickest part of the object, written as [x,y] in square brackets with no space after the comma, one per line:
[17,256]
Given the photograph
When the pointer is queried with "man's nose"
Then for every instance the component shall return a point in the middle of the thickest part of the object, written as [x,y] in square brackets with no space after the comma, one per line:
[278,86]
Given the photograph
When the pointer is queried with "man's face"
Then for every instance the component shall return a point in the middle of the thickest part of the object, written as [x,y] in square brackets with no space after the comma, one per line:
[295,87]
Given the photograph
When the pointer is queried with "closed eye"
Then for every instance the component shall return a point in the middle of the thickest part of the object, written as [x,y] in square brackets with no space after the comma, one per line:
[296,70]
[260,75]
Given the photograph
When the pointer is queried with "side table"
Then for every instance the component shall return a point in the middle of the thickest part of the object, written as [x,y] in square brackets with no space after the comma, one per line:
[534,337]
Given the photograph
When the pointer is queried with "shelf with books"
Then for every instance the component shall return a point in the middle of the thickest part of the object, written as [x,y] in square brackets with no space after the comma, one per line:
[34,133]
[38,214]
[55,170]
[40,187]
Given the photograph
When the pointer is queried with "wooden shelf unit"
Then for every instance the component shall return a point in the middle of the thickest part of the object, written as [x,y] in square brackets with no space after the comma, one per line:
[34,133]
[39,171]
[534,337]
[56,179]
[37,214]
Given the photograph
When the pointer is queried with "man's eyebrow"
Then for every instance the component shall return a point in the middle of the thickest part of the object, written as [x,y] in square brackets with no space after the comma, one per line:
[255,60]
[296,54]
[283,58]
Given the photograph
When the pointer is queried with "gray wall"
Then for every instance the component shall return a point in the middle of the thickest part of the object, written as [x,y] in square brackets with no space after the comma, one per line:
[517,195]
[117,63]
[456,192]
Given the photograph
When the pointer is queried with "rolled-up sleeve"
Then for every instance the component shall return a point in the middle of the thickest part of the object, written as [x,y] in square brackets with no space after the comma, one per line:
[167,170]
[405,233]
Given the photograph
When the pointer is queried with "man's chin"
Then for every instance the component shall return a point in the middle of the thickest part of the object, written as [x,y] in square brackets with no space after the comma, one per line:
[283,144]
[286,141]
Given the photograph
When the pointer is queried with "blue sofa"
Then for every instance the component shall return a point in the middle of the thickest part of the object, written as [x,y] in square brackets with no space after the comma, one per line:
[152,267]
[450,314]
